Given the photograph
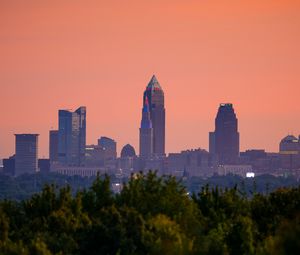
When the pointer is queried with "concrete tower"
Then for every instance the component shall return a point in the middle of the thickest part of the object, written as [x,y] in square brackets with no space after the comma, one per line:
[146,132]
[155,99]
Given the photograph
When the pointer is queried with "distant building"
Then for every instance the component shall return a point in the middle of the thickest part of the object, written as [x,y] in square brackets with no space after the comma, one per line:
[128,151]
[9,166]
[154,96]
[26,159]
[53,146]
[251,155]
[78,170]
[155,163]
[261,161]
[128,162]
[176,164]
[224,141]
[146,132]
[273,161]
[72,137]
[94,156]
[289,145]
[289,152]
[192,163]
[241,170]
[109,149]
[109,145]
[44,165]
[212,143]
[258,159]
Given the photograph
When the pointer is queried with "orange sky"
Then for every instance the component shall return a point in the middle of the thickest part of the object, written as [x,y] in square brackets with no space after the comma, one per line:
[101,54]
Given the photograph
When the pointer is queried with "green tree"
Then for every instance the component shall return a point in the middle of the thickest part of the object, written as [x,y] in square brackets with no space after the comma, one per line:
[98,196]
[38,247]
[151,195]
[286,239]
[166,237]
[240,236]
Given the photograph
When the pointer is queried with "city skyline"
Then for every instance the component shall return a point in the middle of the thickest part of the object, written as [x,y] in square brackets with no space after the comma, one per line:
[204,54]
[145,99]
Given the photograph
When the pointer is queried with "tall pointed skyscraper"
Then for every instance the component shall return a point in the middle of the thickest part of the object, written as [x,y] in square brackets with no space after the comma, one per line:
[154,96]
[146,132]
[224,141]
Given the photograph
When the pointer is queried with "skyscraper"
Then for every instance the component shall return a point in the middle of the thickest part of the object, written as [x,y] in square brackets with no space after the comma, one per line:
[26,159]
[72,137]
[146,132]
[154,96]
[53,145]
[224,141]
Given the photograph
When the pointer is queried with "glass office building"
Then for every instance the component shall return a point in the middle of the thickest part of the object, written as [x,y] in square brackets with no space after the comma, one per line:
[72,137]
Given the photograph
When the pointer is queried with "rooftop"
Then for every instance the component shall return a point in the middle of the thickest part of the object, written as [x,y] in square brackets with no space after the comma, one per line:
[154,84]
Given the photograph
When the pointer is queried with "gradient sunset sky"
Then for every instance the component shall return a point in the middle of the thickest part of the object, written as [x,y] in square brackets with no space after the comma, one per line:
[101,54]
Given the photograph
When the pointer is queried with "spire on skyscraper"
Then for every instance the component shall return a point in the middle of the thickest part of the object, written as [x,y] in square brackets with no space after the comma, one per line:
[154,84]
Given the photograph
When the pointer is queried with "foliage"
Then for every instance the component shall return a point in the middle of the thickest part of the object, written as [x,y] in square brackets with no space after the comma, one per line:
[151,215]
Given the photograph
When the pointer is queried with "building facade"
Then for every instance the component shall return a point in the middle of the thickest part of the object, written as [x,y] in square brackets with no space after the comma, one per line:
[289,145]
[154,96]
[224,141]
[128,161]
[196,162]
[289,152]
[146,132]
[9,166]
[26,157]
[109,146]
[72,137]
[53,146]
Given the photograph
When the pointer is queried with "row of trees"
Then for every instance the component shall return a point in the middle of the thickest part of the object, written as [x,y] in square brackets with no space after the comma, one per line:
[263,184]
[24,186]
[151,215]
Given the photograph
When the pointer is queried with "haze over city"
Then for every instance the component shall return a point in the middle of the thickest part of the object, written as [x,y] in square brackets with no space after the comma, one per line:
[63,54]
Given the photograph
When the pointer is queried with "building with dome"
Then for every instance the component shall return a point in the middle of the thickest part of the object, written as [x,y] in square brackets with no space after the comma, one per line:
[289,145]
[289,152]
[128,162]
[128,151]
